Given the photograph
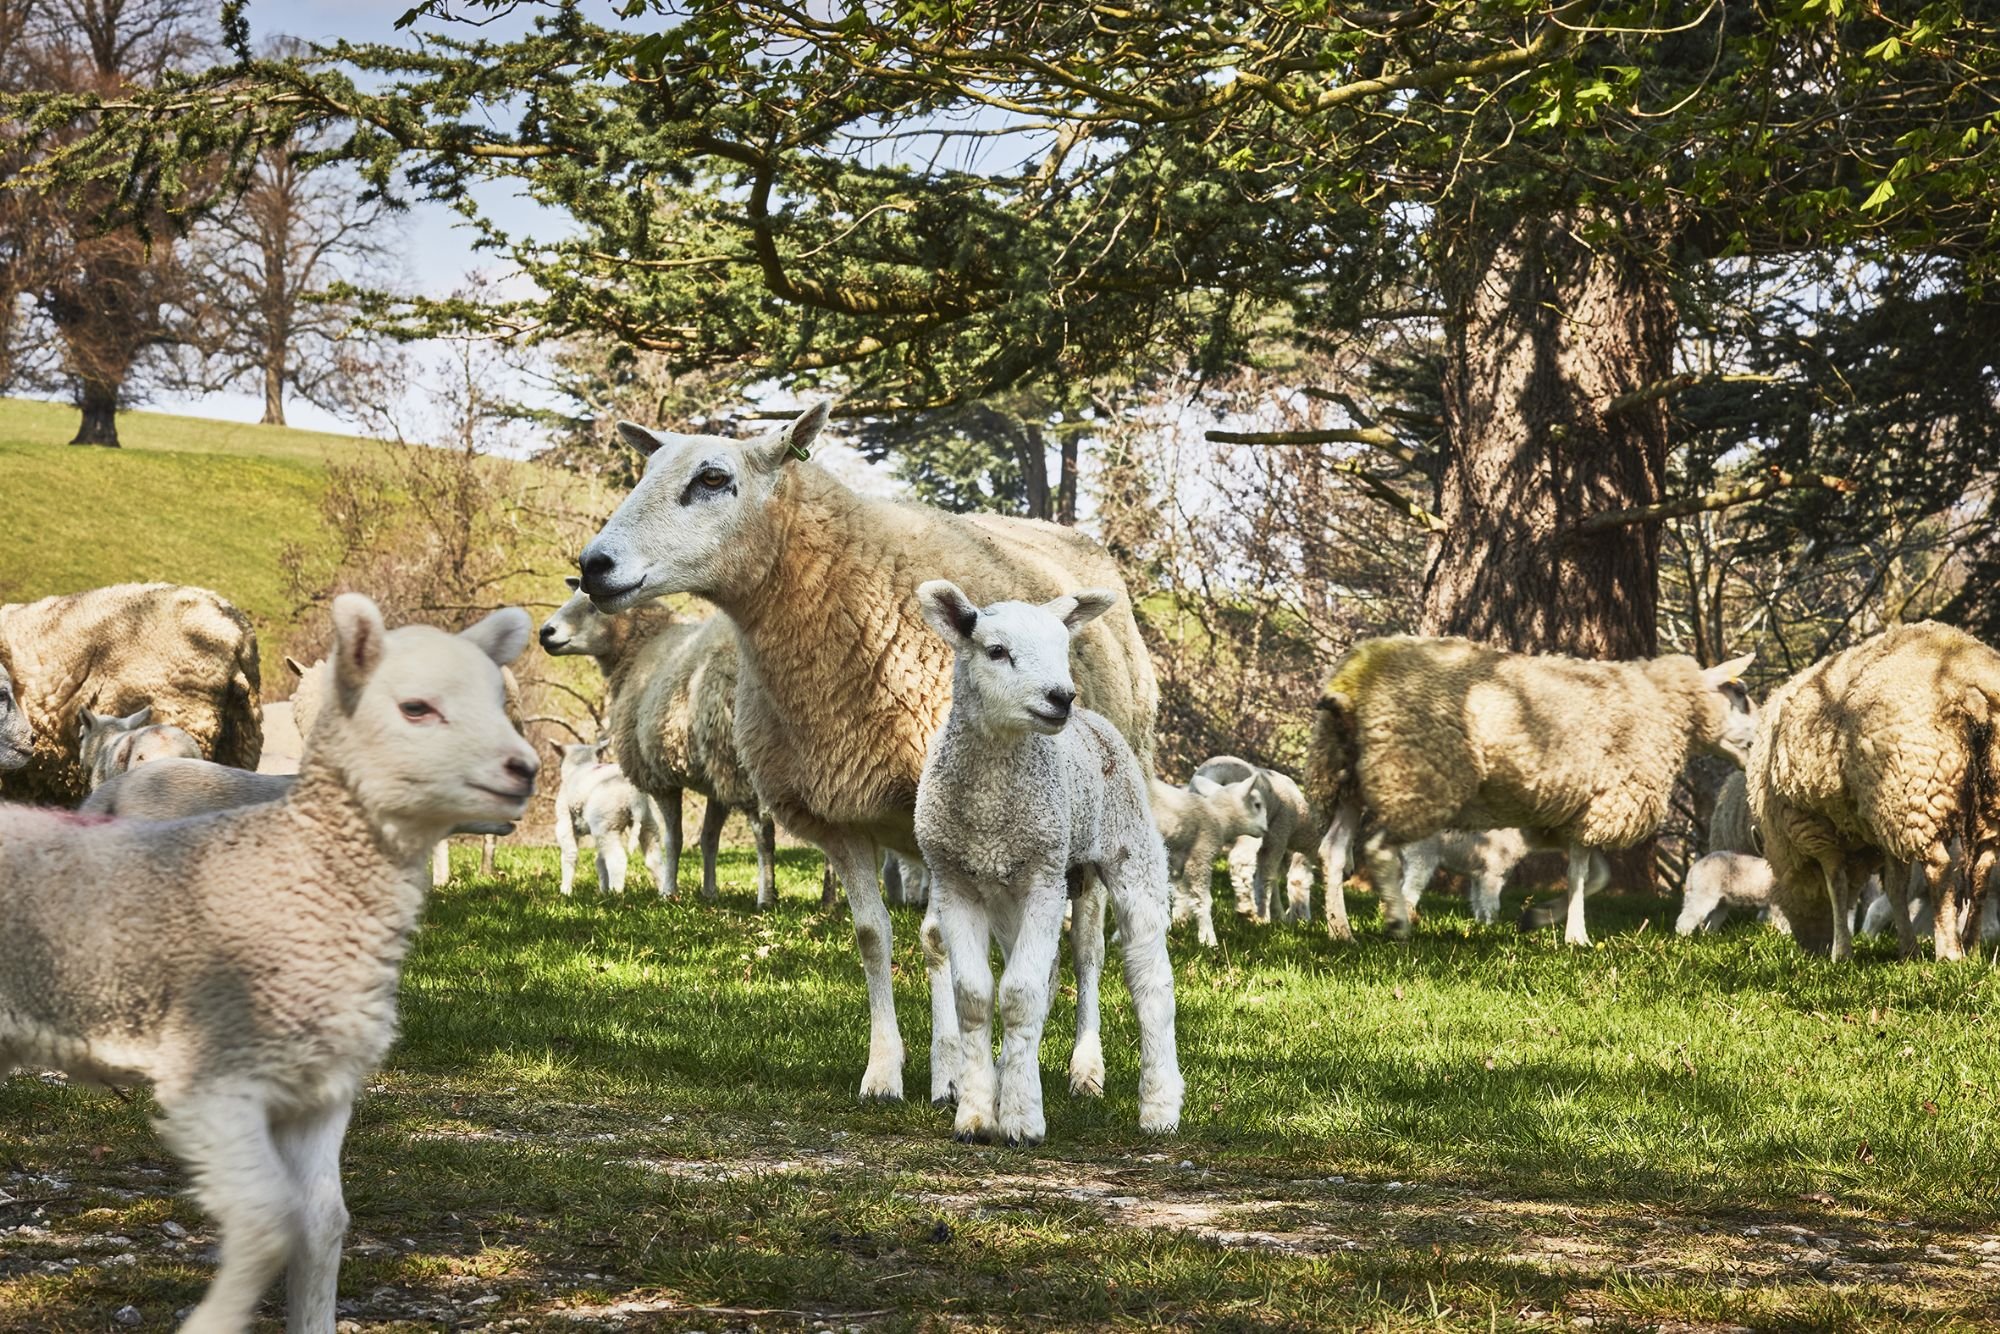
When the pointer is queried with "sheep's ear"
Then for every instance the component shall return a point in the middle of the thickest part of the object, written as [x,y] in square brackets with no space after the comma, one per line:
[502,636]
[1203,785]
[1723,673]
[1088,605]
[794,439]
[139,717]
[640,438]
[359,640]
[292,665]
[572,583]
[947,610]
[86,720]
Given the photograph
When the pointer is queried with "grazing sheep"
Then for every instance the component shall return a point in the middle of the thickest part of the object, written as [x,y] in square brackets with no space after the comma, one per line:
[1435,734]
[1196,823]
[1884,752]
[599,803]
[840,685]
[17,737]
[110,745]
[245,963]
[185,651]
[673,727]
[1023,794]
[1720,882]
[1257,865]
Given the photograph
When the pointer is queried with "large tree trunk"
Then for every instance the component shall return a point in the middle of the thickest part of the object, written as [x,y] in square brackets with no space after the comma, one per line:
[1066,480]
[1034,457]
[274,390]
[99,402]
[1542,333]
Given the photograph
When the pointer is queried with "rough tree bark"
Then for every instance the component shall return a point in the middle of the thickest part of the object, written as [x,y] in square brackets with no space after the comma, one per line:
[1066,481]
[1033,451]
[1542,332]
[99,402]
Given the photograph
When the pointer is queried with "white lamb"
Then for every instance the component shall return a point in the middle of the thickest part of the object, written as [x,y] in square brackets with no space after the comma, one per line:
[110,744]
[1257,866]
[1196,823]
[1485,857]
[1022,795]
[1722,881]
[598,802]
[245,963]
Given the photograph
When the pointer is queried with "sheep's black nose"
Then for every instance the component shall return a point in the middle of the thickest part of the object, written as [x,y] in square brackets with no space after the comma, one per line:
[1060,700]
[548,635]
[523,770]
[596,567]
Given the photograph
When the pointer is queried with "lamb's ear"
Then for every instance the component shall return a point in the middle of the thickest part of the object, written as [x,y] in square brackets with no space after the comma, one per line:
[794,439]
[502,636]
[572,583]
[359,639]
[1091,603]
[292,665]
[1203,785]
[86,720]
[139,717]
[947,610]
[639,438]
[1723,673]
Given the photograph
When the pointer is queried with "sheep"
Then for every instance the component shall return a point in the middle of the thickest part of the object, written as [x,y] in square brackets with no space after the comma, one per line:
[185,651]
[1730,828]
[1434,734]
[1196,823]
[840,684]
[108,745]
[1257,865]
[1485,857]
[174,788]
[245,963]
[1883,752]
[1721,881]
[17,735]
[1021,793]
[598,802]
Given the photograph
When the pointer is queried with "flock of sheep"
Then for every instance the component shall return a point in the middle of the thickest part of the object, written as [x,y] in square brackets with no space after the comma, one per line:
[969,695]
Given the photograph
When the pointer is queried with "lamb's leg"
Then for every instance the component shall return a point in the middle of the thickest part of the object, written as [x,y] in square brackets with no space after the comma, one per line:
[963,921]
[224,1137]
[1299,889]
[1401,894]
[670,852]
[1335,856]
[311,1150]
[892,881]
[1487,885]
[854,858]
[715,815]
[1024,1012]
[767,861]
[1245,884]
[1579,886]
[441,864]
[944,1013]
[610,861]
[829,888]
[1149,977]
[1086,945]
[566,849]
[1198,887]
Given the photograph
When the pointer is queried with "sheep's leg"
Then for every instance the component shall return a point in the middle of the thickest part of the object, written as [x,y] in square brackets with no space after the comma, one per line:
[566,849]
[610,861]
[1335,852]
[714,815]
[225,1140]
[963,921]
[829,888]
[855,859]
[1400,895]
[1580,877]
[767,861]
[1149,977]
[486,851]
[1486,889]
[311,1150]
[670,852]
[944,1014]
[1024,1010]
[917,882]
[646,819]
[1246,885]
[1897,877]
[1299,889]
[441,864]
[1086,944]
[892,880]
[1842,944]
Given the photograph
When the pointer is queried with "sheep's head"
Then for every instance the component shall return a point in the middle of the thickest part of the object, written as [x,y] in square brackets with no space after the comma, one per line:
[1737,727]
[416,720]
[577,626]
[693,522]
[1013,657]
[17,739]
[96,730]
[1239,806]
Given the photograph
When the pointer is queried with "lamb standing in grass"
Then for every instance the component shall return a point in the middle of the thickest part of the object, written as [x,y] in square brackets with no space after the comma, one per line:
[1021,795]
[1485,857]
[1257,866]
[841,686]
[246,963]
[110,745]
[1435,734]
[599,803]
[1885,752]
[1196,823]
[17,737]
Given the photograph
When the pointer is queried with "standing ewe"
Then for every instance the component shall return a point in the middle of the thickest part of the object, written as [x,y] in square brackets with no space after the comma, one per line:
[1196,822]
[246,963]
[1434,734]
[1257,866]
[108,745]
[599,803]
[1884,751]
[840,685]
[17,738]
[1021,796]
[185,651]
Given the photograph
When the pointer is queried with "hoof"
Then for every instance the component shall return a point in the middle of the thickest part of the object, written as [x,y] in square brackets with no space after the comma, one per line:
[880,1095]
[972,1136]
[1086,1084]
[1023,1141]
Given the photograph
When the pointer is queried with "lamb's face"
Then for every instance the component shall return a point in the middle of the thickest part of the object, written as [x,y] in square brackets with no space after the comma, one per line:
[1013,657]
[577,626]
[577,759]
[96,730]
[17,739]
[418,719]
[1239,805]
[693,520]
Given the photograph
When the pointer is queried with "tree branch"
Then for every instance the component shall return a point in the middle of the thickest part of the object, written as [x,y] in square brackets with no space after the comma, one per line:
[1727,497]
[1673,384]
[1376,437]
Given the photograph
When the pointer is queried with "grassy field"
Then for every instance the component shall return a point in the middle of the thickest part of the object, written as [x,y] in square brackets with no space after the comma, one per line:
[629,1114]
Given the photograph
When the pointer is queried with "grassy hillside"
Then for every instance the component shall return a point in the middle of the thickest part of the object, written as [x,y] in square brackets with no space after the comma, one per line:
[186,500]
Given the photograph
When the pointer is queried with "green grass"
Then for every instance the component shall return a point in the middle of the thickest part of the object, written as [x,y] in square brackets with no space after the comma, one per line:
[185,500]
[626,1104]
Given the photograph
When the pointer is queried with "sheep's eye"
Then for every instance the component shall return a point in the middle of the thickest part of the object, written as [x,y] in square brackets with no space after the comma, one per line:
[998,653]
[712,478]
[417,710]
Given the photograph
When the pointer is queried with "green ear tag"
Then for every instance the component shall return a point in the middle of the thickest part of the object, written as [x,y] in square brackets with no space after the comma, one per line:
[799,452]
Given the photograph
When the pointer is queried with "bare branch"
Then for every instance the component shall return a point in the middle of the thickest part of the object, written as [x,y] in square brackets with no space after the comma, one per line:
[1777,479]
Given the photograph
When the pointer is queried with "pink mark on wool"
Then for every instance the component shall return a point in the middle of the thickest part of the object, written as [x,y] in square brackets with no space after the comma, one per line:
[56,815]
